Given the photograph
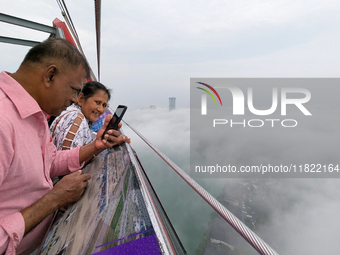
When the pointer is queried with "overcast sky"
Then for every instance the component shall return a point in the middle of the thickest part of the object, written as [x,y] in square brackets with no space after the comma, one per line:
[151,49]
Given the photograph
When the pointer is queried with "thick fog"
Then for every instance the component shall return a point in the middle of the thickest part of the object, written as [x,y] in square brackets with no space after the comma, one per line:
[302,213]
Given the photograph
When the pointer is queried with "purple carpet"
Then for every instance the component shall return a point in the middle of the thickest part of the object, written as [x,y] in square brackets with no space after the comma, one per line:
[144,246]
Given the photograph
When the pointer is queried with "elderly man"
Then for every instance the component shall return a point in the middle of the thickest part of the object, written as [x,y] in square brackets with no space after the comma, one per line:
[47,82]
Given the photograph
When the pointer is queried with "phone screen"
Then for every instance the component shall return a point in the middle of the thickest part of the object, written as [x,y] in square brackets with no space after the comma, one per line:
[119,111]
[116,118]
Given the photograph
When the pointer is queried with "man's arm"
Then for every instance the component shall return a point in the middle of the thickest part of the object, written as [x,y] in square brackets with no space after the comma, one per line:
[11,225]
[65,192]
[11,232]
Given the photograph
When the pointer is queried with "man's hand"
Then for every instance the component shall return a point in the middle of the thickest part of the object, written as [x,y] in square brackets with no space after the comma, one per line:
[114,137]
[70,188]
[65,192]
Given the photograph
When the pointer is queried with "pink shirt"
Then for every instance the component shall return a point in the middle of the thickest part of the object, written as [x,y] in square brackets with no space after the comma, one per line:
[28,161]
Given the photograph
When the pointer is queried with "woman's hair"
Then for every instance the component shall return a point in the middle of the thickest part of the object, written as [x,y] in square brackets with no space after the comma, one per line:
[90,88]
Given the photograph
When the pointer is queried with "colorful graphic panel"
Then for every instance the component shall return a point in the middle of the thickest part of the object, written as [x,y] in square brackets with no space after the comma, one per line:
[110,218]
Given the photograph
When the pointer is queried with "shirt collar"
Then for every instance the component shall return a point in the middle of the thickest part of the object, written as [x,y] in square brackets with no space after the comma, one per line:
[22,100]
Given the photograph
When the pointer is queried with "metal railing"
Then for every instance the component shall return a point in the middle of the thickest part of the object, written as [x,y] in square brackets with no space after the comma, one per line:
[53,31]
[239,226]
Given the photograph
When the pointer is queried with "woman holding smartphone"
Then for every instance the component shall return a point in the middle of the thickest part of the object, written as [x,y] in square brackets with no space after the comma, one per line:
[72,127]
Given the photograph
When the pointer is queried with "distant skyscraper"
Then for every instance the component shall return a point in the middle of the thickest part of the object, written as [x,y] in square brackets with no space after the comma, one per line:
[172,103]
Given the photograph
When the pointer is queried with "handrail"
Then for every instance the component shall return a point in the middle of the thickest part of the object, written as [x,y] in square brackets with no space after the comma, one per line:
[30,24]
[17,41]
[254,240]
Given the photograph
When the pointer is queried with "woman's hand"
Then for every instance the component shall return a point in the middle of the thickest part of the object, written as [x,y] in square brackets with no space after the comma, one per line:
[112,138]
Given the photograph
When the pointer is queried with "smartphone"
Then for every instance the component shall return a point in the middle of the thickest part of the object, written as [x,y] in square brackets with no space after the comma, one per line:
[116,118]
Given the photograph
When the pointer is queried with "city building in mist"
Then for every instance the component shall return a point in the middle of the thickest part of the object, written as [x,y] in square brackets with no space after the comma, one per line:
[172,103]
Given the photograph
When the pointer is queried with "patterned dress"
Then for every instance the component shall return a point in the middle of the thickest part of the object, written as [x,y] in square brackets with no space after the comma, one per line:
[61,126]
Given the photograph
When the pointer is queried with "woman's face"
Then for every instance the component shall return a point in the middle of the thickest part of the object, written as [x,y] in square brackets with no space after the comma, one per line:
[94,106]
